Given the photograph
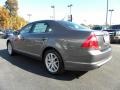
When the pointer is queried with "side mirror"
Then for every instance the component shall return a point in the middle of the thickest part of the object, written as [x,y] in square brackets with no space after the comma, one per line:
[16,32]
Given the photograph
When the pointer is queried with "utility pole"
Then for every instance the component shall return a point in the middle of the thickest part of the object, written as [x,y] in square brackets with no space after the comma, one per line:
[53,7]
[110,10]
[70,14]
[107,14]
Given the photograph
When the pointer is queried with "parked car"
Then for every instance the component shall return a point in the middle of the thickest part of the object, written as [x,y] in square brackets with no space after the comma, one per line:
[97,27]
[62,45]
[114,31]
[7,33]
[1,33]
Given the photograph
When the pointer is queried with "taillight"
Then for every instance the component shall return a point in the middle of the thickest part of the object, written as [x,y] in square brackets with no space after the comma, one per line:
[91,42]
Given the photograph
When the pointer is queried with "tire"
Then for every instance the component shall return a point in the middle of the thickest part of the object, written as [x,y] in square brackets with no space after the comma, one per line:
[10,49]
[53,62]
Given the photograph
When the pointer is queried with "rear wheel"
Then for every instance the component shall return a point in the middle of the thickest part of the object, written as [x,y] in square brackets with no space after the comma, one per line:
[53,62]
[10,49]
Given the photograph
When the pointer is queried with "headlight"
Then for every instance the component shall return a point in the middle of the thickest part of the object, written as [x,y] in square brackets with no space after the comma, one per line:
[118,33]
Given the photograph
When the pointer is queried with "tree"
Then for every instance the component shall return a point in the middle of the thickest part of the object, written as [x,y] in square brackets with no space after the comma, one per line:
[4,18]
[18,22]
[10,22]
[12,7]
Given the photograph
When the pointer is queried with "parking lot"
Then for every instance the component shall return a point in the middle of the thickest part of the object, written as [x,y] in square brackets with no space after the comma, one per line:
[23,73]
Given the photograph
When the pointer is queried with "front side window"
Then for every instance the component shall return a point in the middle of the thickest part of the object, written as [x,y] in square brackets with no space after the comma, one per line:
[40,28]
[26,29]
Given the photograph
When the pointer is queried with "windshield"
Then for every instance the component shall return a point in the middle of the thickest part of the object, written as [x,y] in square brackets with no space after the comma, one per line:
[114,27]
[97,27]
[73,26]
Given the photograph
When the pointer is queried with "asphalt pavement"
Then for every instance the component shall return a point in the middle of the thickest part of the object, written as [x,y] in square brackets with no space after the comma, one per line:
[23,73]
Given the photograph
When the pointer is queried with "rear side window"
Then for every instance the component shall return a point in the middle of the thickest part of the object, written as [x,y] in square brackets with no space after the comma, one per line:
[41,28]
[73,26]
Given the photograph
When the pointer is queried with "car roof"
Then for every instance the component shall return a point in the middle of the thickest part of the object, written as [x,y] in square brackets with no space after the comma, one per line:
[43,21]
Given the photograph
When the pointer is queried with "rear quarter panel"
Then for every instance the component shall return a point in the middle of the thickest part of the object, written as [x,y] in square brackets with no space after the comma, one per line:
[69,45]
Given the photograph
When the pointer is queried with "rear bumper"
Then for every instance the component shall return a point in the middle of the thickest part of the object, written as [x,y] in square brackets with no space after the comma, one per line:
[97,61]
[77,66]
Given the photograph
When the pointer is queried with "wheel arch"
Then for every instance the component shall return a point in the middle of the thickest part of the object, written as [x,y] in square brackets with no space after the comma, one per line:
[50,48]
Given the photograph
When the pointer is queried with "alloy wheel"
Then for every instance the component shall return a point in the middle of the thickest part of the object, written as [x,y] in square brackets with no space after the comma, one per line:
[52,62]
[9,49]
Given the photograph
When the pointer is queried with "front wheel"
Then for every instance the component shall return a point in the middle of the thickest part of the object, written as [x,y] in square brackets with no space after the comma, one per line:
[10,49]
[53,62]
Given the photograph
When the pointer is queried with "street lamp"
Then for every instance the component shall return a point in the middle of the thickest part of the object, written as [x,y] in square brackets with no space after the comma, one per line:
[29,17]
[70,14]
[69,6]
[53,7]
[106,14]
[110,10]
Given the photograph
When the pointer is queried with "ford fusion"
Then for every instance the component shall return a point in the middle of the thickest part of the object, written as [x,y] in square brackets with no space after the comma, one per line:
[62,45]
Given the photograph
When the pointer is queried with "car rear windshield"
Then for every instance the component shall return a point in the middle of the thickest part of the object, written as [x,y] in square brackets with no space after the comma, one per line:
[73,26]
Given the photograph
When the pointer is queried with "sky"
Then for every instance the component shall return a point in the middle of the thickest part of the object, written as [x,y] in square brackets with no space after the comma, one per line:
[83,11]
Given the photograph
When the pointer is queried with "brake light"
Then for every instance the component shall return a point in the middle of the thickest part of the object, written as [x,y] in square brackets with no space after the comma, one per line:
[91,42]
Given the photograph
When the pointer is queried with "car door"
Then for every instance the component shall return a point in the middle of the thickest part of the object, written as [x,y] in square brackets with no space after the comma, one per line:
[39,36]
[21,41]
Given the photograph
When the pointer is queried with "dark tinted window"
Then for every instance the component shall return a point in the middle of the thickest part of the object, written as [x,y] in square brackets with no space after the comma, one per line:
[115,27]
[72,25]
[97,28]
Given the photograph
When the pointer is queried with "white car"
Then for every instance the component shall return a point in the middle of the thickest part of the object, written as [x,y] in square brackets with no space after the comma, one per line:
[1,33]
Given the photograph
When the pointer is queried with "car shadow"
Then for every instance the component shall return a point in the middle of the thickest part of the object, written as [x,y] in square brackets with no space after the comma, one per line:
[37,67]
